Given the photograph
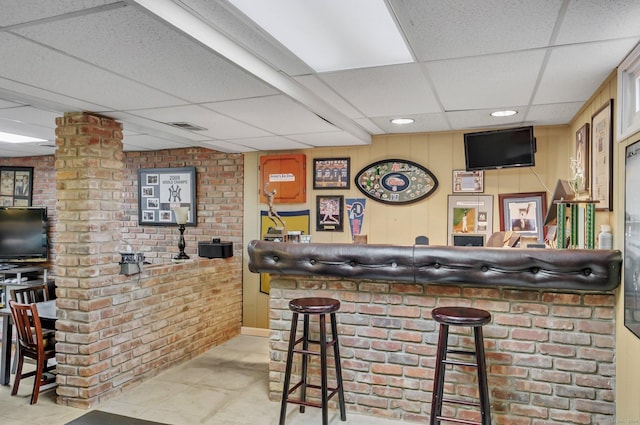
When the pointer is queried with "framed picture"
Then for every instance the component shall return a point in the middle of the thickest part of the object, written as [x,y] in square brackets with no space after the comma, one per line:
[582,156]
[631,237]
[523,213]
[601,153]
[331,173]
[470,215]
[329,213]
[162,189]
[468,181]
[16,186]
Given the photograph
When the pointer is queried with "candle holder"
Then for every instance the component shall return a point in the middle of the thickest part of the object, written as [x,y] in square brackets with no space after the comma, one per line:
[182,214]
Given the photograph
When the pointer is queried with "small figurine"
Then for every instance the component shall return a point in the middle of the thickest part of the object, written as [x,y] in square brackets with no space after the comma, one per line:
[271,212]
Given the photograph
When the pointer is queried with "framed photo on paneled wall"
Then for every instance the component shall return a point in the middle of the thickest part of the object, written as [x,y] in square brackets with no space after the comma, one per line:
[16,186]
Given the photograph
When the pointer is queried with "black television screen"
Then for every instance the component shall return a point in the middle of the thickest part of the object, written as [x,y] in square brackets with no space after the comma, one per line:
[486,150]
[23,233]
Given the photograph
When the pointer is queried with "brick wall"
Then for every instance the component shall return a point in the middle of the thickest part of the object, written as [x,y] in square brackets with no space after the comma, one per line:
[550,355]
[115,330]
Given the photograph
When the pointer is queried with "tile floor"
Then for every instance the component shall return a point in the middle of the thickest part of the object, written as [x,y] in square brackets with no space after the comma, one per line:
[225,386]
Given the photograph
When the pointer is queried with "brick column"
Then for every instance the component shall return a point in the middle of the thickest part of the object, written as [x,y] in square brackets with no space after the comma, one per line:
[89,187]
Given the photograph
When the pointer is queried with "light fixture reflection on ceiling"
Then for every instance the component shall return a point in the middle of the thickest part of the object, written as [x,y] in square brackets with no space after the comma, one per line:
[505,113]
[17,138]
[402,121]
[332,35]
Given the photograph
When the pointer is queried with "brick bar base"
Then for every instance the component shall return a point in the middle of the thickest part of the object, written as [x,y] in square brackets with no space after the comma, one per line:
[550,354]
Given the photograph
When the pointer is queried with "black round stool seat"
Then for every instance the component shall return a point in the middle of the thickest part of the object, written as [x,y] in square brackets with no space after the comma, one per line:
[461,316]
[323,309]
[314,305]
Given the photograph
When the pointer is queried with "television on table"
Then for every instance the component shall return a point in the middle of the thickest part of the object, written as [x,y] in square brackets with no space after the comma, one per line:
[506,148]
[23,234]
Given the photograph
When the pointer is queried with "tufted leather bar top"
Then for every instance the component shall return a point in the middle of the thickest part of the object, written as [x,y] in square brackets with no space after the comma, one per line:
[585,270]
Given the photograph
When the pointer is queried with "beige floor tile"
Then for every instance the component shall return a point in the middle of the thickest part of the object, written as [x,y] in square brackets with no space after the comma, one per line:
[225,386]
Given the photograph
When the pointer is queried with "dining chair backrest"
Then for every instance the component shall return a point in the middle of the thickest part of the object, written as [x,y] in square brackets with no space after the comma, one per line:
[33,343]
[30,294]
[28,327]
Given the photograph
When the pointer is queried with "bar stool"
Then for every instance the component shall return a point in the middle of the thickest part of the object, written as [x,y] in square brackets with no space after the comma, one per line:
[307,307]
[460,316]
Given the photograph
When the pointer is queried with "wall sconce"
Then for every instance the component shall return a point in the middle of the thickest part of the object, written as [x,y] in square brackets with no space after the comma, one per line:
[182,215]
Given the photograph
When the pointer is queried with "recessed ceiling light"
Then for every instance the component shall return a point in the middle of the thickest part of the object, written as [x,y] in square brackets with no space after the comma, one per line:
[506,113]
[17,138]
[402,121]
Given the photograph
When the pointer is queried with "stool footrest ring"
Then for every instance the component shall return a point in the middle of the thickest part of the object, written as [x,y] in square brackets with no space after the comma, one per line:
[458,421]
[460,363]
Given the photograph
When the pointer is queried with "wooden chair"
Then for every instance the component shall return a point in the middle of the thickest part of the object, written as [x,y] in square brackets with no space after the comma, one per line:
[33,343]
[28,295]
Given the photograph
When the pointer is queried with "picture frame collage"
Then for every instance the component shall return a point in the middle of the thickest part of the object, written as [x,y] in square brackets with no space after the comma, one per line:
[16,186]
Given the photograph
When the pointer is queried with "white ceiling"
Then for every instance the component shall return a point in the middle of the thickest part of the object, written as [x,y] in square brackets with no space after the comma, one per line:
[544,58]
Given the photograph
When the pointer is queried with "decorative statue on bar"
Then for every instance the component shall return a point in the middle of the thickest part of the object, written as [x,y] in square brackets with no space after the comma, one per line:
[271,212]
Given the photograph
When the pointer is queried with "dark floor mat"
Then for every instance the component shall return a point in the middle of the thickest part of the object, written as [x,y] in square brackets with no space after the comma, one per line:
[96,417]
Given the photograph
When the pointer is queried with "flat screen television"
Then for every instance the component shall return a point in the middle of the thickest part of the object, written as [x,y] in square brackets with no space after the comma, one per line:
[23,233]
[507,148]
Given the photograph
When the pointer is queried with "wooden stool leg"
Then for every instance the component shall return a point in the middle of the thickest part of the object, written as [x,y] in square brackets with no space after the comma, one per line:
[336,356]
[438,378]
[305,360]
[485,406]
[287,373]
[323,369]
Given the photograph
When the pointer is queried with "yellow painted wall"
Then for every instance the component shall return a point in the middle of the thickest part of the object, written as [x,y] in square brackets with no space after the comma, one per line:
[627,344]
[400,224]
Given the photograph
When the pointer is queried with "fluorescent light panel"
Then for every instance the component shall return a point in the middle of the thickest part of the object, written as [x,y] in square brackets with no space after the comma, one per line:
[331,35]
[17,138]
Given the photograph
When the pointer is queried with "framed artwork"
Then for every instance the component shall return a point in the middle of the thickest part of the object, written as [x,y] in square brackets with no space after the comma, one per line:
[631,237]
[330,213]
[601,155]
[470,215]
[162,189]
[396,181]
[582,156]
[331,173]
[523,213]
[468,181]
[16,186]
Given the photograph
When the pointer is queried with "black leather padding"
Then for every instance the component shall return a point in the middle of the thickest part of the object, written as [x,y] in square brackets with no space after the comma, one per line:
[586,270]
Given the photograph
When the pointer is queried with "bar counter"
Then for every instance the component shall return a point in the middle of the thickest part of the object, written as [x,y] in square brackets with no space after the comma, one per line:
[550,345]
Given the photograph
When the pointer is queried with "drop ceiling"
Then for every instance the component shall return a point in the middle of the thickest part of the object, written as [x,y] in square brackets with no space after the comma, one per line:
[544,58]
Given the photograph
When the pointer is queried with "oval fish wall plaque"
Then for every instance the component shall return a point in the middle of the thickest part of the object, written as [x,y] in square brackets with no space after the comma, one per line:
[396,181]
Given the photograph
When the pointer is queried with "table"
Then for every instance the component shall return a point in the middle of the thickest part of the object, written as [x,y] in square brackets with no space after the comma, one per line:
[47,311]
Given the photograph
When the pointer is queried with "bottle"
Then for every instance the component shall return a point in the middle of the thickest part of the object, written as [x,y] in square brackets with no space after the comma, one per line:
[605,239]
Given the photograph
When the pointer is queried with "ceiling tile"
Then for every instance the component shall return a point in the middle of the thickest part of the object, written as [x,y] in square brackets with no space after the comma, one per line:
[439,29]
[487,81]
[150,53]
[334,138]
[554,114]
[17,12]
[217,126]
[564,82]
[271,143]
[599,20]
[275,114]
[382,91]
